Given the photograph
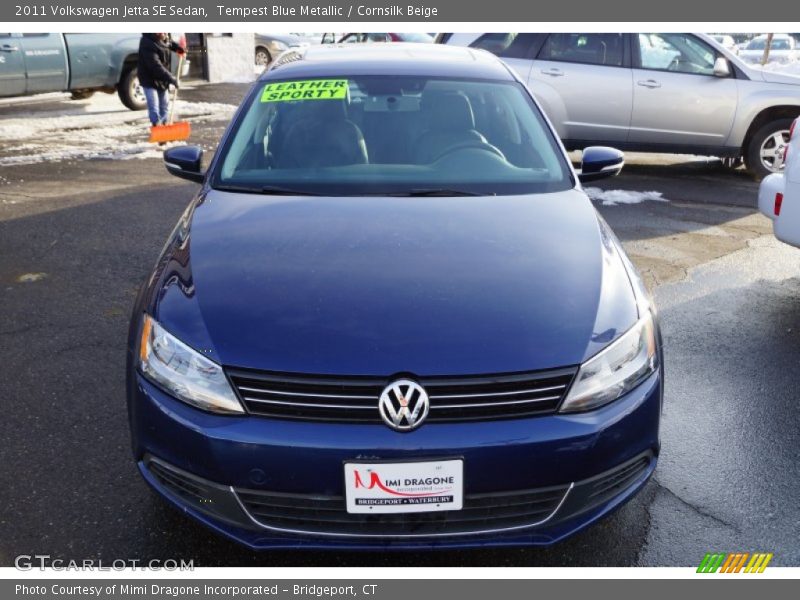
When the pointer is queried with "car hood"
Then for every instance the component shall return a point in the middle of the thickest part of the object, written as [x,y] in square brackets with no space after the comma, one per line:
[380,286]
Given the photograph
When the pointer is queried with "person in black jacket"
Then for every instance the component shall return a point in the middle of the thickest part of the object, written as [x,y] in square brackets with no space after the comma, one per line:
[154,73]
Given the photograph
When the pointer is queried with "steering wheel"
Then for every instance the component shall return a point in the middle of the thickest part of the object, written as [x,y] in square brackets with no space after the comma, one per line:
[473,144]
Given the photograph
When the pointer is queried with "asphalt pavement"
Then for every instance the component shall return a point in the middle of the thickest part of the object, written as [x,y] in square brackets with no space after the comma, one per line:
[77,237]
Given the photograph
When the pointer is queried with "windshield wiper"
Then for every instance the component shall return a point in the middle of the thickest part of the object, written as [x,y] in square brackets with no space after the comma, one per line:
[282,191]
[271,190]
[274,190]
[438,192]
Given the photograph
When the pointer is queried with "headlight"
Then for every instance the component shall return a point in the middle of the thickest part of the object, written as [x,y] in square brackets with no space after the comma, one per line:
[616,370]
[184,372]
[280,46]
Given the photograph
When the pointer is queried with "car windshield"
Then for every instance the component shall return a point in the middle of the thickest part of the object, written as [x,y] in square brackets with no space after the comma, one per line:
[388,135]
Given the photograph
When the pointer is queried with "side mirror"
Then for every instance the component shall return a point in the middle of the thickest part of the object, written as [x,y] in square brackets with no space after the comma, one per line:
[185,162]
[600,162]
[721,67]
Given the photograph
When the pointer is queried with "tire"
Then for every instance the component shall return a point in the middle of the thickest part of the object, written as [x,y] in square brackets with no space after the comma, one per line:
[130,92]
[263,57]
[764,152]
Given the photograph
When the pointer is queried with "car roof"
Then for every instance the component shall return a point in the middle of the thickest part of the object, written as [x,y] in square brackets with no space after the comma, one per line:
[407,59]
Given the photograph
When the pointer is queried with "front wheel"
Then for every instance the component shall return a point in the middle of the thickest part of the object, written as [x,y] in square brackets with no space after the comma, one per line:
[765,151]
[131,92]
[262,57]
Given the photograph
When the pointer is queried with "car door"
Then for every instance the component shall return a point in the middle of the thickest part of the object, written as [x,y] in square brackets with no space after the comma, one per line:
[677,99]
[12,66]
[584,81]
[45,62]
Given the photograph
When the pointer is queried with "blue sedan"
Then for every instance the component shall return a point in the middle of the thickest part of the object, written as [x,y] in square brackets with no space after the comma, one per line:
[391,317]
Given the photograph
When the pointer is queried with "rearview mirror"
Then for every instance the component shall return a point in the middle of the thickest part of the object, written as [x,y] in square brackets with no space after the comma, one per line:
[185,162]
[599,162]
[721,67]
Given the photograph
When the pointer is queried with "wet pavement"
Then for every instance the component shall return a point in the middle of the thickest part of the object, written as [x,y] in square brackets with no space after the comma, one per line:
[77,236]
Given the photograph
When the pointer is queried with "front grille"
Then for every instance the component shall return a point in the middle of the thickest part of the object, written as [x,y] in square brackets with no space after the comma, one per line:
[355,399]
[328,514]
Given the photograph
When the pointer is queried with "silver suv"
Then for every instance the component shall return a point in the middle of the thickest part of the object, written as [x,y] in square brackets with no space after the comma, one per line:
[652,92]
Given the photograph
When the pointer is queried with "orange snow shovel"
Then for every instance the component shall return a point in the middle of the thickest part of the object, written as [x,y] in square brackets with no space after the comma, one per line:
[172,132]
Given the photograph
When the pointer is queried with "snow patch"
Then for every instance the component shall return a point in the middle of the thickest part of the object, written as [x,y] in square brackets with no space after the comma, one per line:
[96,128]
[792,68]
[615,197]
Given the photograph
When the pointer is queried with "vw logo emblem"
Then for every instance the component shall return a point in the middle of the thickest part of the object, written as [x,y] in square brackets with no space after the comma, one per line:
[403,405]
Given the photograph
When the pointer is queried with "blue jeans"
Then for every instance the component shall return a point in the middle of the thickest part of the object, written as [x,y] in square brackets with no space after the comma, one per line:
[157,105]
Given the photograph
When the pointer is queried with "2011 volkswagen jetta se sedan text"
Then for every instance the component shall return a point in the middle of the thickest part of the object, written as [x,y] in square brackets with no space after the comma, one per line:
[391,317]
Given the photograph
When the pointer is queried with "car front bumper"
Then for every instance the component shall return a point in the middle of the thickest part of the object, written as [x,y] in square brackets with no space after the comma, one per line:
[270,483]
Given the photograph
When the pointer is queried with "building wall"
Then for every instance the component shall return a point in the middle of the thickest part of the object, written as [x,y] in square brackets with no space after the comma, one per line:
[230,56]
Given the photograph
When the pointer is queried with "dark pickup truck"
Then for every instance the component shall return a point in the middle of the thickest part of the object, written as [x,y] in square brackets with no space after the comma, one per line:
[81,63]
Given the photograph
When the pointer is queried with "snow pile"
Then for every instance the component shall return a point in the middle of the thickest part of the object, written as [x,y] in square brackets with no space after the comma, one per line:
[97,128]
[615,197]
[792,68]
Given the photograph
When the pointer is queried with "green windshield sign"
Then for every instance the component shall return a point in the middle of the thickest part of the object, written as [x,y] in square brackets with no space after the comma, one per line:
[315,89]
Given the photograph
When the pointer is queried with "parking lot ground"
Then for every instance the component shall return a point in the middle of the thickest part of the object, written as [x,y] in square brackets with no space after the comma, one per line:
[78,235]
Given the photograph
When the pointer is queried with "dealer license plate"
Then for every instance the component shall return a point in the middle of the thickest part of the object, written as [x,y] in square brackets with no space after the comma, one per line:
[404,487]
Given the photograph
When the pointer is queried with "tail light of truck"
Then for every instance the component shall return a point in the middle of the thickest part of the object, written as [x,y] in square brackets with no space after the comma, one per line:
[778,203]
[182,41]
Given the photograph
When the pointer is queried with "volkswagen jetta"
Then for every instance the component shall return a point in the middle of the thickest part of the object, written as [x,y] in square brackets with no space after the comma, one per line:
[391,316]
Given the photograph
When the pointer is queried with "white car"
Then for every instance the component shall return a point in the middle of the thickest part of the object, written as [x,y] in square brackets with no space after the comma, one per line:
[779,193]
[783,49]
